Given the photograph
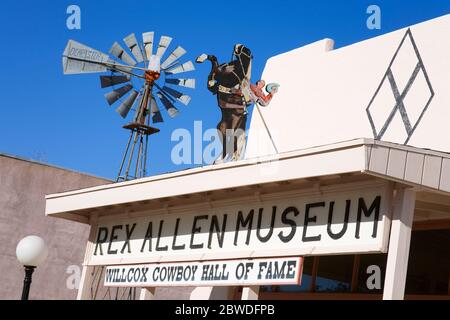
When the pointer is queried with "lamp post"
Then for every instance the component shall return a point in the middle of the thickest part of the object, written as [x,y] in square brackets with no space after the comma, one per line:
[31,251]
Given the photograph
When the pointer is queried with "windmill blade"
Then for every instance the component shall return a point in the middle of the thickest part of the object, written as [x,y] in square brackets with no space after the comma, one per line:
[125,106]
[120,53]
[71,66]
[155,112]
[132,44]
[115,95]
[92,59]
[174,56]
[187,83]
[116,67]
[109,81]
[185,67]
[164,43]
[171,109]
[184,99]
[148,37]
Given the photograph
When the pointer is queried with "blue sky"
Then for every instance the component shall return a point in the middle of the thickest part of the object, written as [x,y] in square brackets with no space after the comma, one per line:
[65,121]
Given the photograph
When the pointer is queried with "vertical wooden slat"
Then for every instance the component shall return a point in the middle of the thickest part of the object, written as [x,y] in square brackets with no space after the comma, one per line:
[414,167]
[356,264]
[431,171]
[444,183]
[315,269]
[396,163]
[448,292]
[233,293]
[379,159]
[368,151]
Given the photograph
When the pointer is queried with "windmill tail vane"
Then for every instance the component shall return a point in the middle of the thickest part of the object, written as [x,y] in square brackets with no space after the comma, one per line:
[138,77]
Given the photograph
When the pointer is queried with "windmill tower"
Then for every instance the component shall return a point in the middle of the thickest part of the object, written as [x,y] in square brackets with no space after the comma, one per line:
[138,78]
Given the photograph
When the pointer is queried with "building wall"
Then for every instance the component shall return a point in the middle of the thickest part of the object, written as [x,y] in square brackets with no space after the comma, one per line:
[324,93]
[23,186]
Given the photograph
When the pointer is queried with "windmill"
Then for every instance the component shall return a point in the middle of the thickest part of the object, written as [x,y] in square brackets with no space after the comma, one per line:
[137,77]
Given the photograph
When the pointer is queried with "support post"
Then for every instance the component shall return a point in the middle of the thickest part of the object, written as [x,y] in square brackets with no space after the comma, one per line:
[210,293]
[399,242]
[84,290]
[147,294]
[124,157]
[250,293]
[87,275]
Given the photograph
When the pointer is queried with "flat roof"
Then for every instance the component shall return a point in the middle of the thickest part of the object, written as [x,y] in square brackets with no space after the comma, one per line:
[45,164]
[355,159]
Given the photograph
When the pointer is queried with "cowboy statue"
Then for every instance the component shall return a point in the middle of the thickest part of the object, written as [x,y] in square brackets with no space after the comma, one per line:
[231,83]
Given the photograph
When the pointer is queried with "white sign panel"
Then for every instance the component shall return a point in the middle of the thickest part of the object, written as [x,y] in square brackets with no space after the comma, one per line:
[279,271]
[350,221]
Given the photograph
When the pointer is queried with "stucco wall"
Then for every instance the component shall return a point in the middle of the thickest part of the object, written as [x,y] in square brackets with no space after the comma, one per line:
[325,93]
[23,186]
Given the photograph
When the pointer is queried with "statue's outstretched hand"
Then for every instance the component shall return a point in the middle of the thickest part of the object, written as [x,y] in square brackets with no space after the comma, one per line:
[202,58]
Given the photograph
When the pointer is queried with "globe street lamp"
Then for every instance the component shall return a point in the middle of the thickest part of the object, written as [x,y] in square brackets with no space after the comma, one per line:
[31,252]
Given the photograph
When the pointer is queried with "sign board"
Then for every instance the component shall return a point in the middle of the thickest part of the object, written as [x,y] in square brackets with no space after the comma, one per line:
[279,271]
[294,224]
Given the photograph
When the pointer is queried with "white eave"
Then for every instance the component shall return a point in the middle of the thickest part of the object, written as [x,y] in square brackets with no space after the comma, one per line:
[426,170]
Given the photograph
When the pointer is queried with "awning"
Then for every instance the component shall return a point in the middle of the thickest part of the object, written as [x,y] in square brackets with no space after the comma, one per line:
[357,160]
